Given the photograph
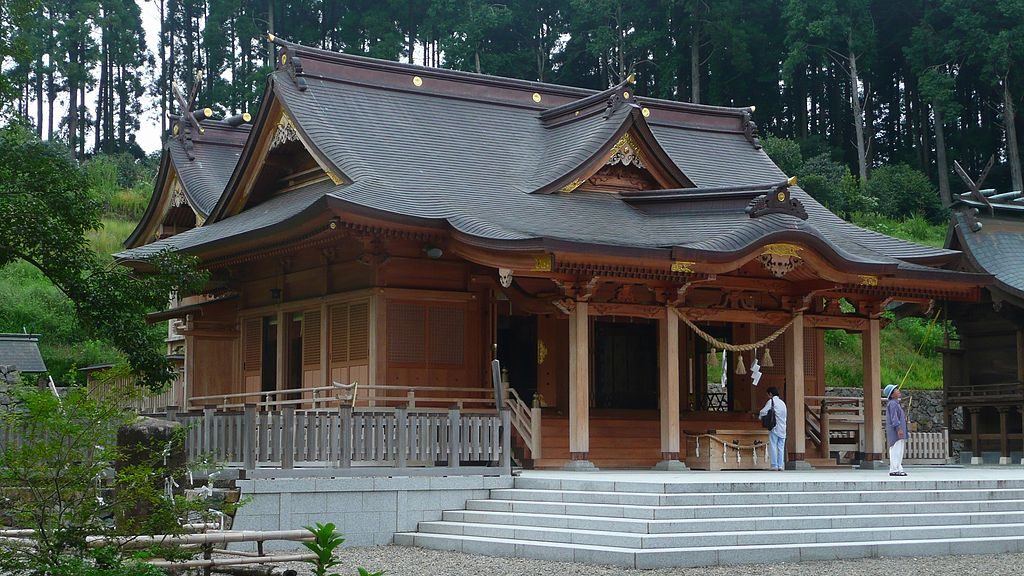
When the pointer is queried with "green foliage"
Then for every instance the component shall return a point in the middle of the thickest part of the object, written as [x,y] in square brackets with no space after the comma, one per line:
[907,344]
[52,481]
[917,229]
[325,544]
[785,153]
[903,192]
[46,212]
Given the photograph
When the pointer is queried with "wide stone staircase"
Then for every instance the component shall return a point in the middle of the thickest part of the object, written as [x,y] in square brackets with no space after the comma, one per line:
[651,524]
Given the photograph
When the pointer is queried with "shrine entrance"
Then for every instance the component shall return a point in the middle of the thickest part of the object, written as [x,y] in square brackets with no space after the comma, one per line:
[625,363]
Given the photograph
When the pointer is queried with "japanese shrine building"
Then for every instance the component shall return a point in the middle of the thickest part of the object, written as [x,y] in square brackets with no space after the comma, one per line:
[401,227]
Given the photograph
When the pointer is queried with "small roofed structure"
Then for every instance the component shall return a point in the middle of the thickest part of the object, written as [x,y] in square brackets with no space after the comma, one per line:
[984,359]
[401,227]
[20,352]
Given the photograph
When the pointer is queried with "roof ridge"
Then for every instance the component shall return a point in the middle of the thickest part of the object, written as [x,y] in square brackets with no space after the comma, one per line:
[330,56]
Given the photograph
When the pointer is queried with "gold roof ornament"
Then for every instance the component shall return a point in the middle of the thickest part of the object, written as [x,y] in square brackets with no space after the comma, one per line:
[571,185]
[542,263]
[631,79]
[868,280]
[684,267]
[625,95]
[791,181]
[626,152]
[246,116]
[417,81]
[536,97]
[780,259]
[646,112]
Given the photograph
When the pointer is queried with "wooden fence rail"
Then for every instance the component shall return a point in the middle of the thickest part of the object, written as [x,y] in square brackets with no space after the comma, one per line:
[349,440]
[928,447]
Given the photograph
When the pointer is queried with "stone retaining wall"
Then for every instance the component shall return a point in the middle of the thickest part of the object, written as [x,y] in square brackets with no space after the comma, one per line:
[926,408]
[367,511]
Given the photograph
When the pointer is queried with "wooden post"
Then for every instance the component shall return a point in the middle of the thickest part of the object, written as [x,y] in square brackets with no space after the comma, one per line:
[209,413]
[402,430]
[249,436]
[346,437]
[826,449]
[579,388]
[796,426]
[288,438]
[975,440]
[172,413]
[1004,442]
[506,441]
[537,450]
[871,356]
[454,437]
[668,391]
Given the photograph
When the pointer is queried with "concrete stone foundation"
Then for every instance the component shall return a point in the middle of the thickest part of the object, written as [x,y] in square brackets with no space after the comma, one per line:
[368,511]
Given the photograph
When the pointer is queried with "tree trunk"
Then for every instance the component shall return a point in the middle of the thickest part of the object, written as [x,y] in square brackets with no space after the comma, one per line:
[695,64]
[1012,151]
[476,59]
[940,158]
[271,54]
[858,119]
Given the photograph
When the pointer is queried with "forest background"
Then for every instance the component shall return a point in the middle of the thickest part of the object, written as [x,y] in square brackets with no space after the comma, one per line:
[868,102]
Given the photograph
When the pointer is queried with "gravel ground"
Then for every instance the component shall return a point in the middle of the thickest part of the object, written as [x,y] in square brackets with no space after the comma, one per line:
[408,561]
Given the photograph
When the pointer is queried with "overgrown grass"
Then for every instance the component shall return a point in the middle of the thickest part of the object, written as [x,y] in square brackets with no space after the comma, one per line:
[110,239]
[907,344]
[916,229]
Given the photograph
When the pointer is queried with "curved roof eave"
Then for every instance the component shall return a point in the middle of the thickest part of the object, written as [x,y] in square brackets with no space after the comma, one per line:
[135,238]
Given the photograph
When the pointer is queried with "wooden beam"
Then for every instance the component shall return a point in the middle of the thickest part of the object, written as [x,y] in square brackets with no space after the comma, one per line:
[579,383]
[871,356]
[773,318]
[636,310]
[795,426]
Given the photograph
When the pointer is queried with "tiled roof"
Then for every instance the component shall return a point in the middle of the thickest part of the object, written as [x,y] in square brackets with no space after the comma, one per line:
[22,352]
[997,247]
[464,152]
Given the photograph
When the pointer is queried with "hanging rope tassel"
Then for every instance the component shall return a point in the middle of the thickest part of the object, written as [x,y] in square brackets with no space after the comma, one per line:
[725,451]
[713,358]
[766,360]
[698,446]
[740,368]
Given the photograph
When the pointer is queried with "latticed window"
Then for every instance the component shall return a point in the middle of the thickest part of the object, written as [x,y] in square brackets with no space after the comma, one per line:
[426,334]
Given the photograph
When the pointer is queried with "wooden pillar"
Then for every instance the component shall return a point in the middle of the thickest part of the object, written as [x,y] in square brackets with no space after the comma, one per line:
[282,351]
[796,433]
[975,440]
[579,387]
[668,390]
[871,355]
[1004,441]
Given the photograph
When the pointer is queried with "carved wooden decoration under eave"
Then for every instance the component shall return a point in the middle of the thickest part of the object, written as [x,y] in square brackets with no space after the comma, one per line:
[627,168]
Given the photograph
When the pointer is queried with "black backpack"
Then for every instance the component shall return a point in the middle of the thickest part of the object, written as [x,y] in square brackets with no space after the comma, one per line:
[768,420]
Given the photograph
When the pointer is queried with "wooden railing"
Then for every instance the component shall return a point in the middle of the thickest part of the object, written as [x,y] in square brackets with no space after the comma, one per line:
[127,387]
[349,442]
[928,448]
[526,420]
[370,396]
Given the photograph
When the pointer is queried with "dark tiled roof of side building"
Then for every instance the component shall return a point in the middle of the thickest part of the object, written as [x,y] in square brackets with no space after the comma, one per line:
[997,247]
[450,152]
[22,352]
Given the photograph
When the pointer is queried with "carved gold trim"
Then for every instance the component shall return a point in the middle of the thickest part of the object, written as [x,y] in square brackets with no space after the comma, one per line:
[542,352]
[868,280]
[626,151]
[542,263]
[646,112]
[288,132]
[680,266]
[571,185]
[782,250]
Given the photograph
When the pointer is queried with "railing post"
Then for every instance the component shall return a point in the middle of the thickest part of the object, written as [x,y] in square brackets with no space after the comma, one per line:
[411,398]
[288,438]
[209,413]
[402,430]
[249,436]
[172,413]
[823,428]
[346,437]
[454,437]
[536,451]
[506,441]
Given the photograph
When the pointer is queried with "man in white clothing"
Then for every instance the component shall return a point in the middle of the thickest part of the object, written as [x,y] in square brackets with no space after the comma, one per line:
[777,435]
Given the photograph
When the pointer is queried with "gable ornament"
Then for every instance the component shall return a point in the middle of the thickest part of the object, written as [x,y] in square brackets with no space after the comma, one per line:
[779,201]
[626,152]
[286,132]
[780,259]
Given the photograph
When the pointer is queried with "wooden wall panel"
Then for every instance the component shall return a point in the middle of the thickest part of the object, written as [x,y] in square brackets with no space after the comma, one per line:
[433,340]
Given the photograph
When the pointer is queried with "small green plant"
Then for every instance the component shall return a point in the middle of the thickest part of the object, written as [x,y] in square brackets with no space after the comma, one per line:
[326,539]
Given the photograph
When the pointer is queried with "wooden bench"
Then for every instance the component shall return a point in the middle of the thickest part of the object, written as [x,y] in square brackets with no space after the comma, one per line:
[727,450]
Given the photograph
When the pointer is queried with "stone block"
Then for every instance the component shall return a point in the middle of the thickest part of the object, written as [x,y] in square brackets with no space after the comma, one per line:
[650,559]
[489,547]
[309,502]
[380,501]
[547,552]
[456,483]
[343,502]
[626,559]
[403,483]
[343,484]
[425,500]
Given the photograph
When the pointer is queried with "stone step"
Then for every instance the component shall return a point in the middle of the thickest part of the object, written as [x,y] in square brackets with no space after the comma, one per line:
[686,526]
[754,498]
[714,539]
[884,482]
[742,510]
[711,555]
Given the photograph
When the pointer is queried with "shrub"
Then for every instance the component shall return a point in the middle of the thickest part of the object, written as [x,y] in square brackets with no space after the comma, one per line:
[785,153]
[903,192]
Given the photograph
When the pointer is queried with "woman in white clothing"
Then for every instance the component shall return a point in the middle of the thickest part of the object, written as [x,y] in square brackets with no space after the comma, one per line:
[777,435]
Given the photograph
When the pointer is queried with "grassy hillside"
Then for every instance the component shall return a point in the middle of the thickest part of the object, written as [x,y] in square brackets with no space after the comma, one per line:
[907,344]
